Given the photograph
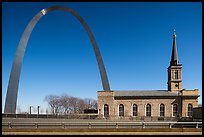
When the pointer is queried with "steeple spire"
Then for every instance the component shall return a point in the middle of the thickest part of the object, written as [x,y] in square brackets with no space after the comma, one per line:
[174,70]
[174,56]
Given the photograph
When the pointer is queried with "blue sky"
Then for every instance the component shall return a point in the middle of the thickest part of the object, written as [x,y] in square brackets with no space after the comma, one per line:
[135,40]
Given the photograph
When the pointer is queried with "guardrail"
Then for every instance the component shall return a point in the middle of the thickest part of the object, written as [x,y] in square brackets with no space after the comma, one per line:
[48,116]
[101,124]
[90,116]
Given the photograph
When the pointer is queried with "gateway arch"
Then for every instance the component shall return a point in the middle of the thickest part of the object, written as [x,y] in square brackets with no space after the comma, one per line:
[12,91]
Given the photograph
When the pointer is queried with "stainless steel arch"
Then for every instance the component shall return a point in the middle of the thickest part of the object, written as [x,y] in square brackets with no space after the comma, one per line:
[12,91]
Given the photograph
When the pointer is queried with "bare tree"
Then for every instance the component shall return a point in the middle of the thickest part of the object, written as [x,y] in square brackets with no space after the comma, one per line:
[66,104]
[94,104]
[91,103]
[81,105]
[73,105]
[54,102]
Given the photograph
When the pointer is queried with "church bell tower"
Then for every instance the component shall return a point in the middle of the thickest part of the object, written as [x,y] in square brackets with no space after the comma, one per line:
[174,70]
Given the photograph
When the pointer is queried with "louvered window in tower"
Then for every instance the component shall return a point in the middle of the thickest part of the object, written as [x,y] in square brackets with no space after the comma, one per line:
[176,74]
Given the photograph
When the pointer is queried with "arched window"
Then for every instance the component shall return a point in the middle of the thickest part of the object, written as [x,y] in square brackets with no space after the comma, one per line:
[148,110]
[175,110]
[121,110]
[162,110]
[190,110]
[134,108]
[106,110]
[176,74]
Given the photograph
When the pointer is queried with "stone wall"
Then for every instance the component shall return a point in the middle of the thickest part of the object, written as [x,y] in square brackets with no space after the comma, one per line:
[189,97]
[141,106]
[107,97]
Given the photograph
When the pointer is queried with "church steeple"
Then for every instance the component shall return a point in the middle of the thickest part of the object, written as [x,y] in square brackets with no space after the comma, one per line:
[174,56]
[174,70]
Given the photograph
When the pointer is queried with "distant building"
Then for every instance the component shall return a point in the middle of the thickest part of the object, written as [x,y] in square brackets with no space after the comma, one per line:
[152,105]
[90,111]
[197,114]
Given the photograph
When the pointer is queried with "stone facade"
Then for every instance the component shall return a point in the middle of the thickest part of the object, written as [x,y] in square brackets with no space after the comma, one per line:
[175,84]
[182,100]
[170,104]
[105,97]
[189,97]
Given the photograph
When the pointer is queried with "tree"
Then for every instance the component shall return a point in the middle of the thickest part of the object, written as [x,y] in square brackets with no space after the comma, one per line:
[91,103]
[54,102]
[66,104]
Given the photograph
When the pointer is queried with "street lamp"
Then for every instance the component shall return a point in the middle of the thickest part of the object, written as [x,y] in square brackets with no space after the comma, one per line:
[30,109]
[38,109]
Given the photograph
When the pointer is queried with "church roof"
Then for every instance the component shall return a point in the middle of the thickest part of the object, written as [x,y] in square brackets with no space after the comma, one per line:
[141,93]
[174,56]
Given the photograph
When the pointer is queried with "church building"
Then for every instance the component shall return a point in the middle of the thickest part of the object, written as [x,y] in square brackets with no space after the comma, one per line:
[151,105]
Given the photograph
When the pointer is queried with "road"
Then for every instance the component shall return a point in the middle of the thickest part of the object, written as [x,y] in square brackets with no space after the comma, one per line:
[44,126]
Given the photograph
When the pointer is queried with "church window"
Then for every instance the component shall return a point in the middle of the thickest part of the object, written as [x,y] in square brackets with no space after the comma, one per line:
[106,110]
[175,110]
[190,110]
[121,110]
[134,110]
[162,110]
[148,110]
[176,74]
